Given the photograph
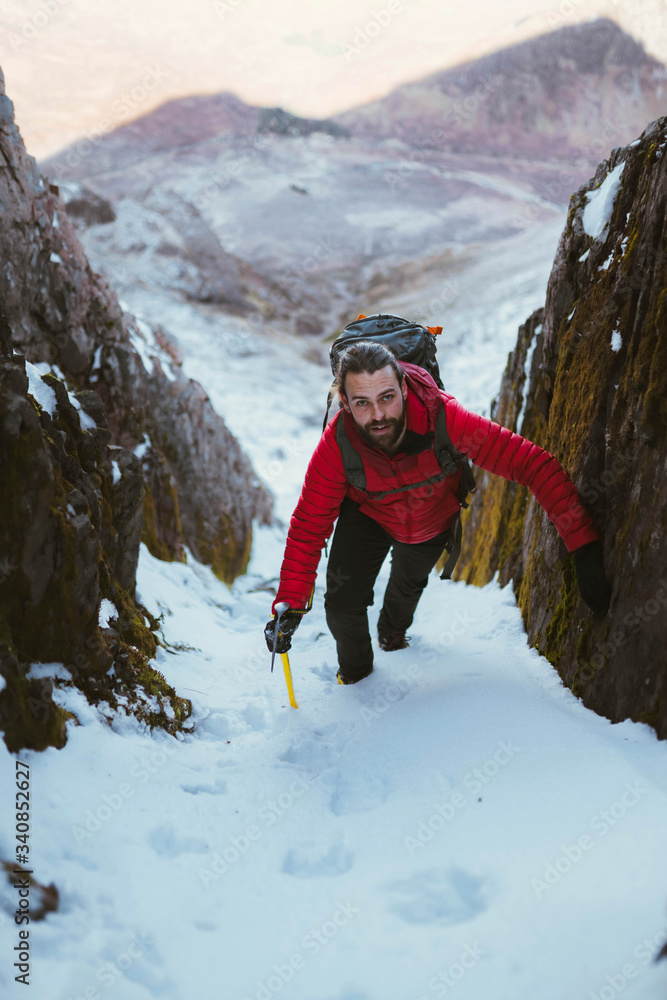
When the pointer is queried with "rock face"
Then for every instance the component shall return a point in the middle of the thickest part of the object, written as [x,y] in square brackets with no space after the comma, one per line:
[283,123]
[103,442]
[86,206]
[588,381]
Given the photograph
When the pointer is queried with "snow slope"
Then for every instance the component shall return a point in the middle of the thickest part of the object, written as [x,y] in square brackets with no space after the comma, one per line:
[456,824]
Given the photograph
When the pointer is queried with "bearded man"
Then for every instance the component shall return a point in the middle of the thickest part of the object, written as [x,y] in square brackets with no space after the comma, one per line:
[404,502]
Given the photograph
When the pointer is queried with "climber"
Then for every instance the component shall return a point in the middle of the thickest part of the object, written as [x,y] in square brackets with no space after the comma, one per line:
[409,505]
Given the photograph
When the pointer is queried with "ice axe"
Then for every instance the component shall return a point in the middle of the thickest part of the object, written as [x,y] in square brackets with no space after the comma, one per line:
[280,611]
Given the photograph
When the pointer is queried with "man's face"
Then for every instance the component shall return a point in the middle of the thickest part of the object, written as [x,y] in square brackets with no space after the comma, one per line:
[377,405]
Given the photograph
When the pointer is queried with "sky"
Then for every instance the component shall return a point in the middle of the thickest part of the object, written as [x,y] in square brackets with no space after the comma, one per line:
[69,64]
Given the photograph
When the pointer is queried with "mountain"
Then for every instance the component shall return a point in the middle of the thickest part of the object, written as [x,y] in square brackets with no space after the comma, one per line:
[566,96]
[298,224]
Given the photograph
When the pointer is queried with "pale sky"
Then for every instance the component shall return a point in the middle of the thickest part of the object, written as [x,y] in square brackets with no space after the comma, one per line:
[68,63]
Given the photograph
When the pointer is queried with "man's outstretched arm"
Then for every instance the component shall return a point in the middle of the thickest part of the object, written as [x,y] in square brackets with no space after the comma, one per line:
[504,453]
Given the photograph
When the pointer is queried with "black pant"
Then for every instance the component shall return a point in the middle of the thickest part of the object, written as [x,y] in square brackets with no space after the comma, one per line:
[358,549]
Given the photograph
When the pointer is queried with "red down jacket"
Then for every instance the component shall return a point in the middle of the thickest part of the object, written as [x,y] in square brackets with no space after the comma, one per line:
[418,514]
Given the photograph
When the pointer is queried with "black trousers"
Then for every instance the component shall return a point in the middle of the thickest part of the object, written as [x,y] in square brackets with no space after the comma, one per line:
[358,549]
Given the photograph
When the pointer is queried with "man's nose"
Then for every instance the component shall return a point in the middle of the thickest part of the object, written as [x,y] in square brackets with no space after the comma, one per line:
[378,412]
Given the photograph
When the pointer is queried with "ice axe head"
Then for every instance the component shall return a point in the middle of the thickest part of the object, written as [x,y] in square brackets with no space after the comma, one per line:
[280,610]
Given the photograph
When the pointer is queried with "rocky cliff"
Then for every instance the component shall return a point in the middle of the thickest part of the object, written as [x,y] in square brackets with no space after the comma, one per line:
[588,381]
[103,443]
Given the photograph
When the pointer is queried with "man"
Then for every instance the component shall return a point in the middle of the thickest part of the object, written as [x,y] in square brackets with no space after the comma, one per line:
[389,413]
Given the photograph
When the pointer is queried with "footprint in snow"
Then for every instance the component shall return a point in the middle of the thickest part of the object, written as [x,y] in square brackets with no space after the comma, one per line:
[355,791]
[166,842]
[311,859]
[255,717]
[438,896]
[325,673]
[319,748]
[217,787]
[214,726]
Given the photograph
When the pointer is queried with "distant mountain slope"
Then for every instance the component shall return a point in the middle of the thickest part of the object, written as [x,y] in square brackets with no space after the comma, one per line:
[578,90]
[302,230]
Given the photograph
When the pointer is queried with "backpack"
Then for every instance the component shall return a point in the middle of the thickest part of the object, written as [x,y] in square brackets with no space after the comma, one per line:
[407,341]
[415,344]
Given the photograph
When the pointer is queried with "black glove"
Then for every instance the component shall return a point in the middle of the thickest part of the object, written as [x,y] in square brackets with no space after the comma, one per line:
[593,584]
[289,623]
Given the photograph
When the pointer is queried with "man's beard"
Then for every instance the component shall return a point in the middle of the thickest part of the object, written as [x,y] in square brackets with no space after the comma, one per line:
[384,441]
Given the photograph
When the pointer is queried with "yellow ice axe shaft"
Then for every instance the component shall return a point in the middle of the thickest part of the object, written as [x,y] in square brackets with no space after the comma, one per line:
[288,679]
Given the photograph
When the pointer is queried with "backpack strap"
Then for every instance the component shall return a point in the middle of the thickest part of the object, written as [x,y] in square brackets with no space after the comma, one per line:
[449,459]
[352,460]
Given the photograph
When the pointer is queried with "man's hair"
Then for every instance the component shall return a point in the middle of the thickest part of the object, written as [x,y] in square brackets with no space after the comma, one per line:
[365,357]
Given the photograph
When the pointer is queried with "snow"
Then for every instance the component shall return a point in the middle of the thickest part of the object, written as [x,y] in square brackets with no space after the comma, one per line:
[616,341]
[108,611]
[456,821]
[607,262]
[142,350]
[97,359]
[48,670]
[600,202]
[115,472]
[526,380]
[39,390]
[142,447]
[144,342]
[459,802]
[86,421]
[584,256]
